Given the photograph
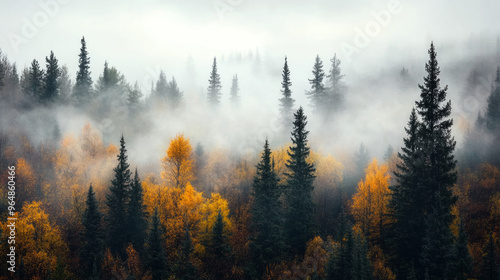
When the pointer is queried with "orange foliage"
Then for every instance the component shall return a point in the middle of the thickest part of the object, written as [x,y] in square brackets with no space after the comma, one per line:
[178,163]
[370,205]
[27,179]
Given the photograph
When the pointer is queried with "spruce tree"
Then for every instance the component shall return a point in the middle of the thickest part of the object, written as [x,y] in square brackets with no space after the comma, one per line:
[33,85]
[235,98]
[155,255]
[335,89]
[161,88]
[266,242]
[299,222]
[286,102]
[214,86]
[425,176]
[92,250]
[174,94]
[489,269]
[117,200]
[218,251]
[136,214]
[83,85]
[461,265]
[185,269]
[317,92]
[492,115]
[51,79]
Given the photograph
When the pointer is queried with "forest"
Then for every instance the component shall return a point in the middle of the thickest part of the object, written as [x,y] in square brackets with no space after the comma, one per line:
[116,182]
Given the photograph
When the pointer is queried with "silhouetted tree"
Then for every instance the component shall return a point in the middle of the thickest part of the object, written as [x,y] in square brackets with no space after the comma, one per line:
[136,214]
[155,256]
[317,92]
[92,251]
[214,86]
[51,83]
[286,102]
[235,98]
[83,85]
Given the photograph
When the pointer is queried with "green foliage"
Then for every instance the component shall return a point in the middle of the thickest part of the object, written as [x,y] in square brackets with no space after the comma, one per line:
[51,90]
[155,256]
[286,102]
[218,259]
[317,92]
[136,214]
[92,252]
[83,85]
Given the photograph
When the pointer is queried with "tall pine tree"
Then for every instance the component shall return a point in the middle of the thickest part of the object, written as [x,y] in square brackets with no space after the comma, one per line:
[117,201]
[136,214]
[299,222]
[92,251]
[335,88]
[317,92]
[266,242]
[235,98]
[492,115]
[218,250]
[425,177]
[286,102]
[83,85]
[155,255]
[489,268]
[52,74]
[184,268]
[33,81]
[214,86]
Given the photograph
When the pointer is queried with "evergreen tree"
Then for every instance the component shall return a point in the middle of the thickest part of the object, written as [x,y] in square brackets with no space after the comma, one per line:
[117,200]
[214,86]
[235,98]
[425,176]
[218,260]
[134,97]
[461,265]
[161,88]
[136,214]
[286,102]
[317,92]
[388,153]
[83,85]
[266,243]
[175,96]
[92,251]
[340,264]
[185,269]
[33,83]
[489,268]
[299,222]
[155,257]
[492,115]
[362,158]
[51,79]
[65,86]
[335,87]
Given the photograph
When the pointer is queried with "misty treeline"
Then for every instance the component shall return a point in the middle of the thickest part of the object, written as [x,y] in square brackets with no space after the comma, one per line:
[426,210]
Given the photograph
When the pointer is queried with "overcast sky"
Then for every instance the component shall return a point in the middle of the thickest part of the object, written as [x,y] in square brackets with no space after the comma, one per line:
[135,36]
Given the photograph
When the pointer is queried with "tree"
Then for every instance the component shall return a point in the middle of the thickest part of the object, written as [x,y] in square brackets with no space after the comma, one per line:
[425,176]
[235,98]
[155,257]
[185,269]
[178,163]
[461,266]
[117,200]
[266,243]
[33,85]
[316,94]
[214,86]
[65,85]
[175,96]
[51,80]
[218,251]
[92,251]
[286,102]
[134,96]
[136,214]
[370,205]
[335,87]
[83,85]
[492,115]
[299,222]
[110,79]
[489,268]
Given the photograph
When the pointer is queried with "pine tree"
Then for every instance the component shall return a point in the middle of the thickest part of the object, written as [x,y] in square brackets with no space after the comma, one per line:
[155,256]
[161,87]
[82,90]
[425,176]
[185,269]
[461,265]
[335,88]
[492,115]
[92,251]
[388,153]
[266,243]
[299,222]
[286,102]
[51,79]
[136,214]
[489,268]
[117,200]
[340,264]
[214,86]
[134,97]
[362,158]
[317,92]
[218,261]
[235,98]
[33,85]
[65,86]
[175,96]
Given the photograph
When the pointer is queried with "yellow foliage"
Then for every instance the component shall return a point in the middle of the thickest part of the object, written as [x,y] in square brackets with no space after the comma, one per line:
[370,205]
[178,163]
[26,179]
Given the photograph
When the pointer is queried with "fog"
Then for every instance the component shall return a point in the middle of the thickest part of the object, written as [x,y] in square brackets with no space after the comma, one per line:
[373,39]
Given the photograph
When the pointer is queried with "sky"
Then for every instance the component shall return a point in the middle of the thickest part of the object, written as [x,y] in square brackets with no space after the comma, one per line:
[373,39]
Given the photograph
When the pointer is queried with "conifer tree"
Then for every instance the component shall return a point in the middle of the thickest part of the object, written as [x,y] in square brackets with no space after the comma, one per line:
[185,269]
[335,88]
[218,261]
[33,84]
[492,115]
[286,102]
[214,86]
[461,265]
[267,242]
[317,92]
[136,214]
[51,79]
[235,98]
[174,94]
[117,201]
[489,268]
[155,256]
[425,176]
[92,251]
[83,85]
[299,222]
